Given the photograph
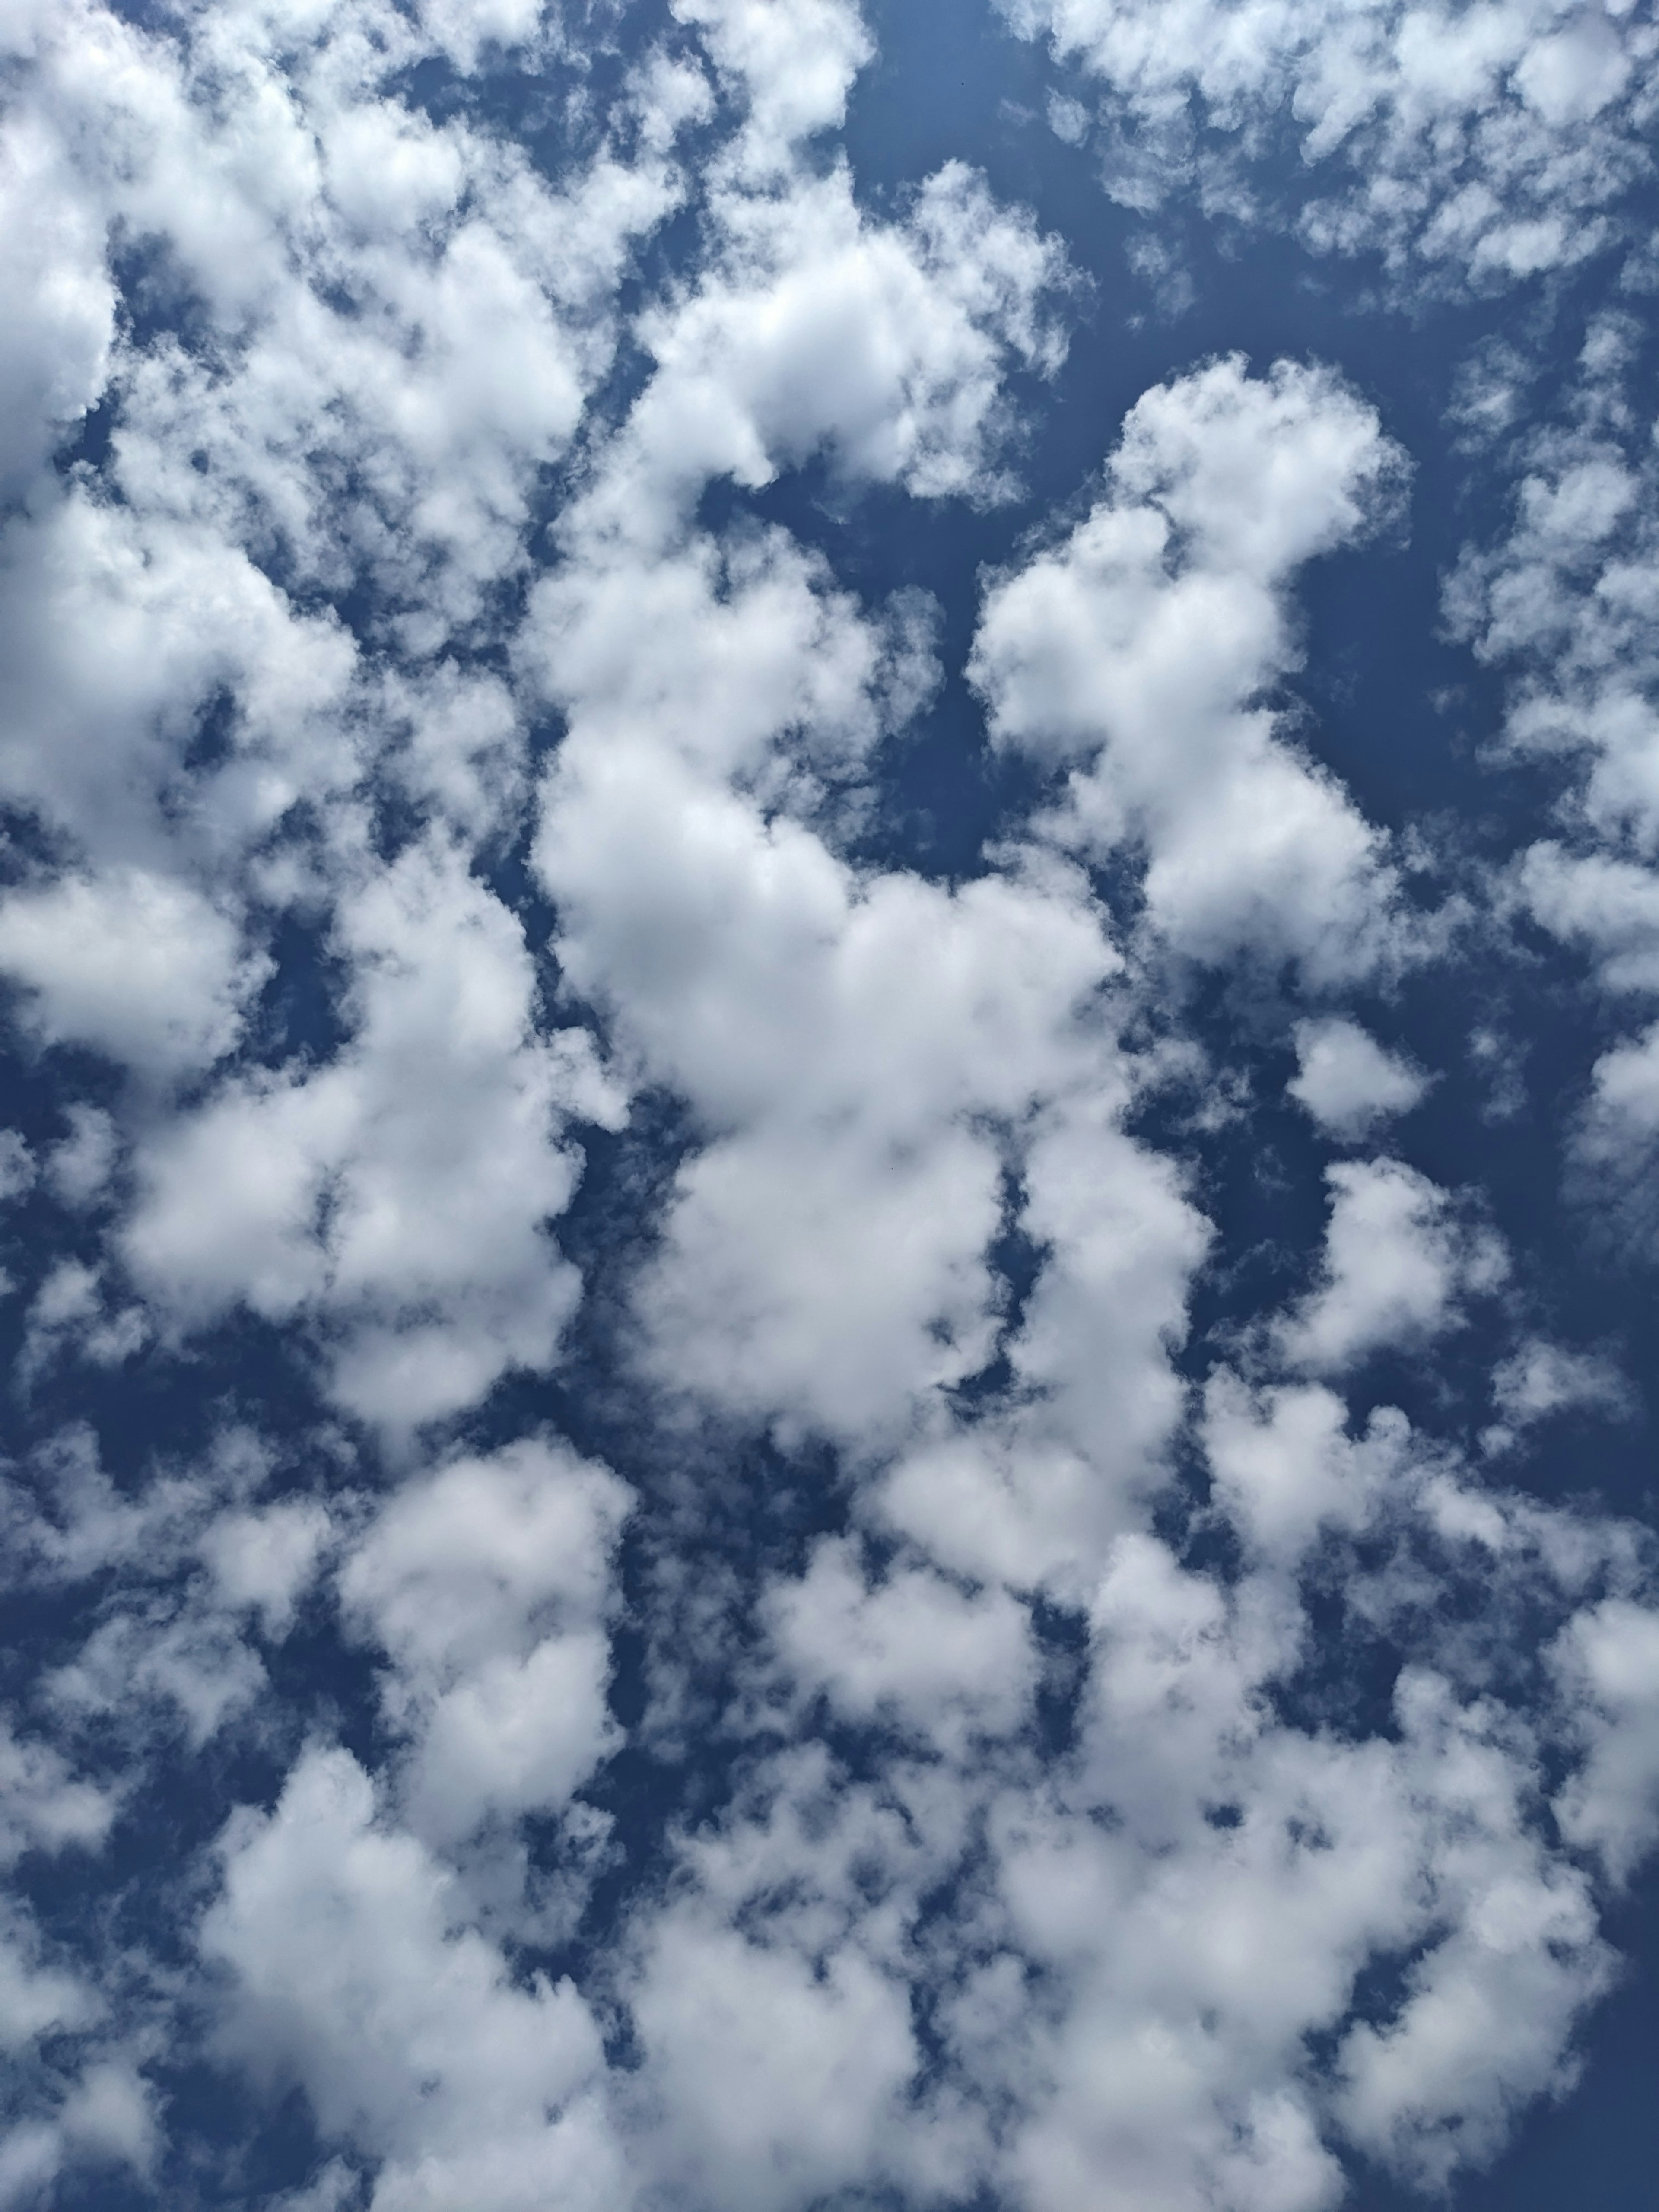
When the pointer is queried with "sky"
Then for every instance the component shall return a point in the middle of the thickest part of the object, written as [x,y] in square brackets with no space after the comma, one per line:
[828,1105]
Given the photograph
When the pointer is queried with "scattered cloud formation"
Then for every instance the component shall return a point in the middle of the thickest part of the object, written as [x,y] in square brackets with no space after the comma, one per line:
[708,1509]
[1470,147]
[1141,649]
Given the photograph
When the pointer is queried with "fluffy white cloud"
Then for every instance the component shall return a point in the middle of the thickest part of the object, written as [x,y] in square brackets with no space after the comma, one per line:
[782,2077]
[853,1044]
[43,1805]
[488,1585]
[264,1559]
[1135,656]
[914,1649]
[1398,1265]
[1347,1082]
[1100,1869]
[145,969]
[790,61]
[1482,145]
[1201,1886]
[60,320]
[1541,1379]
[177,1655]
[402,1187]
[1284,1466]
[79,1167]
[884,345]
[1563,603]
[1614,1144]
[350,1972]
[785,1965]
[1609,1660]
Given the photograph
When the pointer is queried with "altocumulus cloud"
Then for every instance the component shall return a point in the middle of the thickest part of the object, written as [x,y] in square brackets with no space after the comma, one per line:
[773,1442]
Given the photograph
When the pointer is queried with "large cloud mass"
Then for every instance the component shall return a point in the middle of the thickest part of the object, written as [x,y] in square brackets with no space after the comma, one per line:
[680,1543]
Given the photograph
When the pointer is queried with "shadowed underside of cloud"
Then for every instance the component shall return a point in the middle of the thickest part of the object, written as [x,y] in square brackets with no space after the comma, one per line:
[624,1438]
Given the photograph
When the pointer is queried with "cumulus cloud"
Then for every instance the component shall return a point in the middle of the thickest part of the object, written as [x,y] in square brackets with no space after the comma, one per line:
[790,69]
[136,966]
[263,1559]
[403,1185]
[1398,1266]
[914,1649]
[55,355]
[407,2030]
[1542,1379]
[488,1585]
[1473,147]
[1135,658]
[1347,1082]
[1198,1813]
[442,751]
[1609,1658]
[80,1166]
[883,345]
[1562,603]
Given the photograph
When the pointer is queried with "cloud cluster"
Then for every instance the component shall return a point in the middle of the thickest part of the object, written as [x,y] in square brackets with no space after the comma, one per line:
[1146,649]
[435,762]
[1562,604]
[1463,146]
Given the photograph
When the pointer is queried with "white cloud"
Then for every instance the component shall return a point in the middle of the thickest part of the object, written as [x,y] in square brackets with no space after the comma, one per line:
[265,1560]
[1563,601]
[175,1655]
[1202,1890]
[79,1167]
[349,1973]
[1136,655]
[1455,142]
[1608,1659]
[1037,1491]
[402,1187]
[487,1584]
[883,344]
[780,2059]
[794,61]
[852,1043]
[36,1999]
[1609,905]
[60,318]
[18,1165]
[43,1805]
[138,967]
[1286,1467]
[1398,1266]
[1613,1146]
[1541,1378]
[68,1520]
[1347,1082]
[781,2080]
[111,2117]
[911,1648]
[72,1312]
[1118,1954]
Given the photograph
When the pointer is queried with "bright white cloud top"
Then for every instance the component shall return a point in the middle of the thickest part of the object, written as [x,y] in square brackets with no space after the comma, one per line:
[704,1512]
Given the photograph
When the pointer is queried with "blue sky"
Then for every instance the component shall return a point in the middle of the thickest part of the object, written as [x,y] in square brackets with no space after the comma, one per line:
[829,930]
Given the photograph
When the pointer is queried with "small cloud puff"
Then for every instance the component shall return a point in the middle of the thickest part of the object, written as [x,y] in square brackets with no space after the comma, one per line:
[1347,1082]
[1400,1261]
